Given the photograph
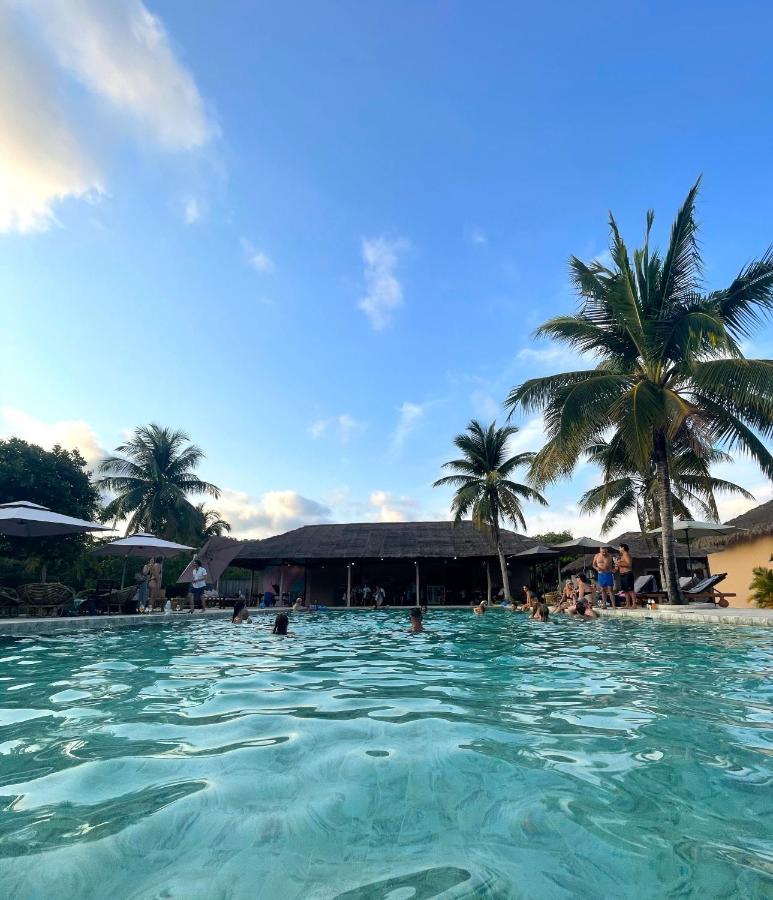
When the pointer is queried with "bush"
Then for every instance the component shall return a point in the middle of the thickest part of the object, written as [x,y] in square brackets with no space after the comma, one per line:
[762,586]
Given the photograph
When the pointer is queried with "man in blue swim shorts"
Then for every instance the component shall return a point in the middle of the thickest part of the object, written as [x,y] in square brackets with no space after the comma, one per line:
[604,564]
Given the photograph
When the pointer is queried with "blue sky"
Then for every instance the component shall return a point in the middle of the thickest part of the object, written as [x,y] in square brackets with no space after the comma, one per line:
[319,236]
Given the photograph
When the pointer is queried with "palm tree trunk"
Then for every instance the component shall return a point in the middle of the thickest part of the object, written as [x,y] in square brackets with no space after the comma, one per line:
[488,583]
[503,567]
[666,519]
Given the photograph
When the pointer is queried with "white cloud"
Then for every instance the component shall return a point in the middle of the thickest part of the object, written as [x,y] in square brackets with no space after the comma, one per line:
[485,406]
[72,434]
[410,415]
[344,426]
[384,292]
[41,160]
[120,53]
[259,260]
[272,513]
[545,354]
[192,211]
[530,436]
[476,236]
[386,507]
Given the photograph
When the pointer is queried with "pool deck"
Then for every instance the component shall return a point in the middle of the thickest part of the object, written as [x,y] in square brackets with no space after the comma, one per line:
[698,613]
[693,614]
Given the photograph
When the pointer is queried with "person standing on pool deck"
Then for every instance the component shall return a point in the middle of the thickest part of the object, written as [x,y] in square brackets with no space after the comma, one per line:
[604,565]
[625,568]
[198,583]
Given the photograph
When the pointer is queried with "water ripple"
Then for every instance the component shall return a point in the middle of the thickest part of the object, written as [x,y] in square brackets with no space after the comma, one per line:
[483,759]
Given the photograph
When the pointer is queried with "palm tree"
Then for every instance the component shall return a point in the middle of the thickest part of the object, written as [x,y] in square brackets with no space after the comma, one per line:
[625,489]
[152,481]
[211,523]
[669,364]
[483,486]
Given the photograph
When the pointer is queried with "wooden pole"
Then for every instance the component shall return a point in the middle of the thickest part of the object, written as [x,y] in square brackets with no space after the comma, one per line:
[348,584]
[418,586]
[488,583]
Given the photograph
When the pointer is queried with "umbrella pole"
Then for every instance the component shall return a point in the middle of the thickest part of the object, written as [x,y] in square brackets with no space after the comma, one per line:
[689,555]
[123,571]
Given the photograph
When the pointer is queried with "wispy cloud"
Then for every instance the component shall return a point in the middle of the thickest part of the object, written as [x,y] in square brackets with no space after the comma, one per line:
[343,425]
[410,416]
[120,54]
[386,507]
[544,354]
[484,406]
[476,236]
[384,293]
[192,211]
[259,260]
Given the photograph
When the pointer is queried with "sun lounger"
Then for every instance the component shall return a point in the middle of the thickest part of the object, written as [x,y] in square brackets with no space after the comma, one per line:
[702,591]
[45,599]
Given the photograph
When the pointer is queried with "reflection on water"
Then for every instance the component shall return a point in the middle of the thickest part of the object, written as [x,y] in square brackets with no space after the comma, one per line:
[487,758]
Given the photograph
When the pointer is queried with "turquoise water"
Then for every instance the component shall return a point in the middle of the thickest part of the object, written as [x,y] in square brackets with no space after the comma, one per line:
[487,758]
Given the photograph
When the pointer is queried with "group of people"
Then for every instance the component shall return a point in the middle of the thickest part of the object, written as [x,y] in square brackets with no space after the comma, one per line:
[241,616]
[536,608]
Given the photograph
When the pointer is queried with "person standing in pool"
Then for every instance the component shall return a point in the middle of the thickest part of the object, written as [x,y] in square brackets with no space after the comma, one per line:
[281,623]
[416,624]
[625,568]
[604,565]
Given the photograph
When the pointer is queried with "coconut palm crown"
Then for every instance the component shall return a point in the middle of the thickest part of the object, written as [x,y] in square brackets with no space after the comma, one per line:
[153,480]
[669,364]
[625,489]
[484,488]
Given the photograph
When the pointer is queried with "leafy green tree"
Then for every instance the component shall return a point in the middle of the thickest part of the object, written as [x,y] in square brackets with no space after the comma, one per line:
[553,537]
[483,485]
[152,481]
[669,364]
[625,489]
[761,587]
[58,479]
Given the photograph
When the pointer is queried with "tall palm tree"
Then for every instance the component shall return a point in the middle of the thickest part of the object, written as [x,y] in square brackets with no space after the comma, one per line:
[211,523]
[625,489]
[669,364]
[483,486]
[153,480]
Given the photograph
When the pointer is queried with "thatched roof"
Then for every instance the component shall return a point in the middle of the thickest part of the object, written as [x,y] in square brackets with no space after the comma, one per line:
[387,540]
[757,522]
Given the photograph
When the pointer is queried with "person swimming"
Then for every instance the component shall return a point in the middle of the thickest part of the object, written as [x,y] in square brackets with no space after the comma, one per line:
[480,609]
[241,614]
[416,623]
[281,623]
[541,612]
[583,610]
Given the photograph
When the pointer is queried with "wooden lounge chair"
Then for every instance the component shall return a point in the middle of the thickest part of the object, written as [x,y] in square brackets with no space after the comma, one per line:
[45,599]
[703,591]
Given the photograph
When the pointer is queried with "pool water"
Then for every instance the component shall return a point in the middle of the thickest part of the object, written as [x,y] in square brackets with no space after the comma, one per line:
[485,758]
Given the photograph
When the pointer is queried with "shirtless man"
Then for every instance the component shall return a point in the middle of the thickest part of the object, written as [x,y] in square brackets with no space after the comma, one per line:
[625,568]
[604,565]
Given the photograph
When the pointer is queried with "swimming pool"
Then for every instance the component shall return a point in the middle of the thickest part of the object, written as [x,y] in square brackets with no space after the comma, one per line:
[488,757]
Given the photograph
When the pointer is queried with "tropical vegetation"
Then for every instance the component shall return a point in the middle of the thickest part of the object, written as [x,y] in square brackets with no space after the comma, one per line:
[483,483]
[152,477]
[669,365]
[761,587]
[626,489]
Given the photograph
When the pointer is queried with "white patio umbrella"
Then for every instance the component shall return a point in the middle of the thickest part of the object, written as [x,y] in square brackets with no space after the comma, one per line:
[687,529]
[140,544]
[29,520]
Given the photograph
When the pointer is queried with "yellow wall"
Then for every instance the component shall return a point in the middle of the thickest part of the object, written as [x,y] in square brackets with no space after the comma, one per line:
[738,560]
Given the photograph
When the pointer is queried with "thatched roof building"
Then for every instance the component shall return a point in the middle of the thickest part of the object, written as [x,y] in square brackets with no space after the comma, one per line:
[756,523]
[381,540]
